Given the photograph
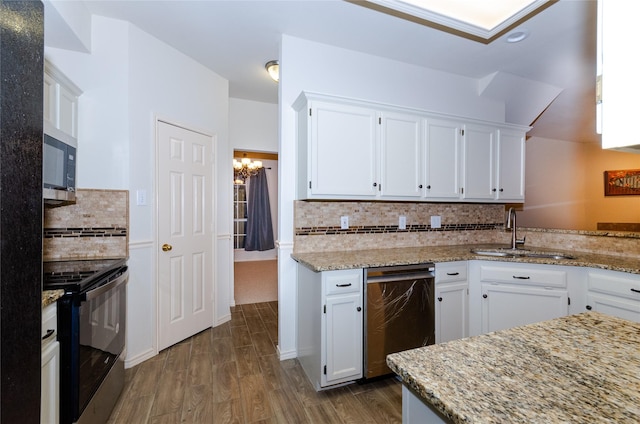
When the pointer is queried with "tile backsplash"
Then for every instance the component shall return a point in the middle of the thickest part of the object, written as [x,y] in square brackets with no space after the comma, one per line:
[374,225]
[96,226]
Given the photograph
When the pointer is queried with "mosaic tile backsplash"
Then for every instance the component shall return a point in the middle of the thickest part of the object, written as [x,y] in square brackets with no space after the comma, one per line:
[96,226]
[374,225]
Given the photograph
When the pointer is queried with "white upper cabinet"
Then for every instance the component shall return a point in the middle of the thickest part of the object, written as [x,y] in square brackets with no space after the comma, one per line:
[443,159]
[356,150]
[400,155]
[337,158]
[510,172]
[60,112]
[479,144]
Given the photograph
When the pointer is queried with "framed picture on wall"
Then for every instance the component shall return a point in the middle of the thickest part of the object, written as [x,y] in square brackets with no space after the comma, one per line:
[622,183]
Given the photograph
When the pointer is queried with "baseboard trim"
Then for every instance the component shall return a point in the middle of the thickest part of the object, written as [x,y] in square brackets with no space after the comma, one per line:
[139,358]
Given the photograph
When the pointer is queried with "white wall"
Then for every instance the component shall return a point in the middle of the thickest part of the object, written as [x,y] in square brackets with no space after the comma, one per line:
[129,79]
[565,186]
[361,76]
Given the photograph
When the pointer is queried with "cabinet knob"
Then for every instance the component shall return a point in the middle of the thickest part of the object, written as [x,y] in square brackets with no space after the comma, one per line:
[420,186]
[589,307]
[494,190]
[439,299]
[429,187]
[484,296]
[501,190]
[375,184]
[358,308]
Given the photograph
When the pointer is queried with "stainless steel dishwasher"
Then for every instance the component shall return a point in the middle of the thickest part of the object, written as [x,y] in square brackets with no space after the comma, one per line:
[399,313]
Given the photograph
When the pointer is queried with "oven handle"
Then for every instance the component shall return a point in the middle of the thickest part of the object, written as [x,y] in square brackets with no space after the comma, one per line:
[92,294]
[400,277]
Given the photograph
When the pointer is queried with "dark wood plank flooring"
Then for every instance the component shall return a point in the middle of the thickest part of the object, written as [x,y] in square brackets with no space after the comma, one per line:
[232,374]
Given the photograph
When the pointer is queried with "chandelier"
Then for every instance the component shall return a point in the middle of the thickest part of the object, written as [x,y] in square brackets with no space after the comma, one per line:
[244,169]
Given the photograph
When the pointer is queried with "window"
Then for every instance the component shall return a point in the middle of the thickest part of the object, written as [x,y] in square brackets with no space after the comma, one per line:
[239,215]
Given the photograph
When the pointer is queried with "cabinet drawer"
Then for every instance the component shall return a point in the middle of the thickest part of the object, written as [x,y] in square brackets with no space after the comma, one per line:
[523,275]
[453,271]
[614,283]
[342,281]
[49,322]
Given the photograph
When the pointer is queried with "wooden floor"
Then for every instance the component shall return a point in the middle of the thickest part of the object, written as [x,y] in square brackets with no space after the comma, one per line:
[231,374]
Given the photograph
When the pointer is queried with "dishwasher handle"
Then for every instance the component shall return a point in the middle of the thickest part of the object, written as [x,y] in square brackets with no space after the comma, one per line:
[400,277]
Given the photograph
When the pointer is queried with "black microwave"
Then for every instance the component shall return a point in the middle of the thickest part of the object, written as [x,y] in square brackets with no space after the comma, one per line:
[58,171]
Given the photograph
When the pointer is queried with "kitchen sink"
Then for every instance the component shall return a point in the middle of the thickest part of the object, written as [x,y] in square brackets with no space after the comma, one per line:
[517,253]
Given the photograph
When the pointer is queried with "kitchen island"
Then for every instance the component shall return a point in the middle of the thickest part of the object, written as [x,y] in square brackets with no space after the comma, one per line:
[579,368]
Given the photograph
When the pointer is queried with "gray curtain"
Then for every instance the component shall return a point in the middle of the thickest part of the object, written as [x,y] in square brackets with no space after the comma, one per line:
[259,228]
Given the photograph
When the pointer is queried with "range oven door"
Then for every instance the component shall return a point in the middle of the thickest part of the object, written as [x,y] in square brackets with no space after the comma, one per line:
[102,322]
[91,331]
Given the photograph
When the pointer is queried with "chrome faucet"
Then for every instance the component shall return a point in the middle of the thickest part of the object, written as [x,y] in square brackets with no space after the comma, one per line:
[511,224]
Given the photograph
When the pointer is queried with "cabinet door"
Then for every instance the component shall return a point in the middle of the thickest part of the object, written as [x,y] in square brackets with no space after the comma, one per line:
[50,377]
[510,172]
[443,147]
[343,338]
[451,312]
[512,306]
[68,112]
[400,155]
[478,163]
[343,150]
[618,307]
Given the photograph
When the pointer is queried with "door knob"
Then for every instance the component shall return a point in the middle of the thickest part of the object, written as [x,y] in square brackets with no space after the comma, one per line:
[166,247]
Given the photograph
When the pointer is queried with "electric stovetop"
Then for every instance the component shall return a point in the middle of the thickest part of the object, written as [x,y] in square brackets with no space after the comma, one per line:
[77,275]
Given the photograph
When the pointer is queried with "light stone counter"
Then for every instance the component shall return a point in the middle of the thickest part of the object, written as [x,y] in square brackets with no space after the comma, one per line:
[51,296]
[582,368]
[326,261]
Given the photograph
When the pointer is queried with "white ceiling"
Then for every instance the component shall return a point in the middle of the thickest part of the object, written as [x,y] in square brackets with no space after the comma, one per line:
[236,38]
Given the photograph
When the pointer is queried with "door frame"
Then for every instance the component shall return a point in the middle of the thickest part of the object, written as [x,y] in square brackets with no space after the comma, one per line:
[214,216]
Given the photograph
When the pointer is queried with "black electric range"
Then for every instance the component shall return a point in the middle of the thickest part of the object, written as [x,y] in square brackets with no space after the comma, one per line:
[91,330]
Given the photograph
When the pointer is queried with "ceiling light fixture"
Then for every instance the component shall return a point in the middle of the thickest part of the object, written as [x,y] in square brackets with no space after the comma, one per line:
[273,68]
[245,168]
[478,20]
[517,36]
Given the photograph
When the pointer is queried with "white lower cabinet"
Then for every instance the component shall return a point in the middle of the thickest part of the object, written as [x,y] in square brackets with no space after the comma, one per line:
[50,371]
[505,295]
[506,306]
[452,294]
[614,293]
[330,325]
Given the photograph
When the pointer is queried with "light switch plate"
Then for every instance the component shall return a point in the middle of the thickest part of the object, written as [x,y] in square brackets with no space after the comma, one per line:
[436,221]
[402,222]
[141,197]
[344,222]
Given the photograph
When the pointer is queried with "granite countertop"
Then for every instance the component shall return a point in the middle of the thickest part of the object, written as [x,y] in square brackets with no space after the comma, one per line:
[51,296]
[579,368]
[327,261]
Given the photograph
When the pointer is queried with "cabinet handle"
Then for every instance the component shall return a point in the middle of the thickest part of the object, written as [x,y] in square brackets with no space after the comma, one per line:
[343,285]
[439,299]
[484,296]
[589,307]
[635,290]
[49,334]
[358,309]
[453,273]
[517,277]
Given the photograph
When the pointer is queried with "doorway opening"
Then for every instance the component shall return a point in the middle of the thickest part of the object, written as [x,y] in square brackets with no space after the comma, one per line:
[255,263]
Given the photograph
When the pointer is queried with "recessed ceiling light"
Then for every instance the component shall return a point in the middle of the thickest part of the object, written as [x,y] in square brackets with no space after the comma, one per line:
[480,20]
[517,36]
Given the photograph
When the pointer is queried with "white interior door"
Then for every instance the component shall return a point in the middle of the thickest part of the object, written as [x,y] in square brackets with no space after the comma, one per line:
[185,233]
